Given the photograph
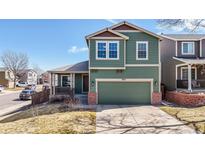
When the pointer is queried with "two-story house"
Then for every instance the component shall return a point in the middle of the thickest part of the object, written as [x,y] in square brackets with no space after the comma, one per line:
[183,61]
[124,65]
[123,68]
[30,76]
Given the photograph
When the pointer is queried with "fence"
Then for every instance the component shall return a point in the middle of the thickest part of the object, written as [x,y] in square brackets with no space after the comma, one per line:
[40,97]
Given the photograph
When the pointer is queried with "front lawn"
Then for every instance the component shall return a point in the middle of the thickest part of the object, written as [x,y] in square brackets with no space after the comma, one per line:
[76,122]
[194,117]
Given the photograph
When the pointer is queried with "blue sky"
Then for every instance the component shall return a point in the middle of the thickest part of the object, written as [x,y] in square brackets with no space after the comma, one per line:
[54,43]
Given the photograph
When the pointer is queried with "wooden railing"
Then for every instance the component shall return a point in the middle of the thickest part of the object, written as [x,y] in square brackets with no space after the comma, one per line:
[196,84]
[64,91]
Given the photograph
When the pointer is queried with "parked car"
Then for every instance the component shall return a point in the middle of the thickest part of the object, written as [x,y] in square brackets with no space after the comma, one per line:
[26,94]
[1,88]
[30,87]
[21,84]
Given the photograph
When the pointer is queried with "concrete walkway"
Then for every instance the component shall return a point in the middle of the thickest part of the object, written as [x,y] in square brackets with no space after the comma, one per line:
[137,120]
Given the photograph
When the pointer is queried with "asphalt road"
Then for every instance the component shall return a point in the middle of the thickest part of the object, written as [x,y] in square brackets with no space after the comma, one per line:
[9,100]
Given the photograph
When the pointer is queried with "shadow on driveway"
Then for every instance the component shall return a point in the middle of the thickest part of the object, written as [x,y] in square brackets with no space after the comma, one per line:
[138,120]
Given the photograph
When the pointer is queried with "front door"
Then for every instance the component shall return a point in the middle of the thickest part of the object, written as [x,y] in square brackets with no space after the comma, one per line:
[85,83]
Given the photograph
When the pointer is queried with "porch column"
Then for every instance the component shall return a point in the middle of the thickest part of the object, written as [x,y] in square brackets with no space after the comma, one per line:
[51,84]
[54,84]
[73,80]
[189,78]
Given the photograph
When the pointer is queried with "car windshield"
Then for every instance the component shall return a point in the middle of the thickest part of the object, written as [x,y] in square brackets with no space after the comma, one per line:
[25,92]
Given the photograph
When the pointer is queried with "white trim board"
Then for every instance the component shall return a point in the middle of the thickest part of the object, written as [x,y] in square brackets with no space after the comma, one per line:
[142,65]
[108,68]
[109,30]
[124,80]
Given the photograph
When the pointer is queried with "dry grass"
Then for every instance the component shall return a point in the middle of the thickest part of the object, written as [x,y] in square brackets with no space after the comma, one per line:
[59,123]
[194,117]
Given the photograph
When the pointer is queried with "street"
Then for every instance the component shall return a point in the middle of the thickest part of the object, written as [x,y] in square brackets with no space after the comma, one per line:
[10,100]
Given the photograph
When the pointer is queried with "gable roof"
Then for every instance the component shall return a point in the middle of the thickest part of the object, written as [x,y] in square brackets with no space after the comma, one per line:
[135,27]
[184,36]
[78,67]
[107,30]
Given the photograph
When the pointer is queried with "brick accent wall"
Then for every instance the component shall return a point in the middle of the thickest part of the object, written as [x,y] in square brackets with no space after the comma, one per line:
[185,99]
[92,98]
[156,98]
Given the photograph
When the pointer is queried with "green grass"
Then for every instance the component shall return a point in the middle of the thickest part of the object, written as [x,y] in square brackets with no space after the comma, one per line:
[78,122]
[194,117]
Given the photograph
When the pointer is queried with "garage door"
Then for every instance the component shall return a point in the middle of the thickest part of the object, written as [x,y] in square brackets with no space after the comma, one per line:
[124,93]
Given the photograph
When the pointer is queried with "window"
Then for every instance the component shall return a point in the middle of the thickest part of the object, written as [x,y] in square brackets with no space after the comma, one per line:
[65,81]
[113,50]
[184,73]
[101,49]
[107,50]
[30,74]
[142,50]
[187,48]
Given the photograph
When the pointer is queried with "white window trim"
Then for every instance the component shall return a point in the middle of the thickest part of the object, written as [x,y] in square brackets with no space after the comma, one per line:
[182,49]
[107,50]
[182,68]
[147,47]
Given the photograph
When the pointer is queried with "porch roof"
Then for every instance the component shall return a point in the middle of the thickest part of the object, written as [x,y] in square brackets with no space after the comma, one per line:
[191,60]
[81,67]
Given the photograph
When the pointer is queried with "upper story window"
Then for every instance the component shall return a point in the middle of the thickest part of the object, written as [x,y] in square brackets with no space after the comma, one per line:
[188,48]
[142,50]
[107,50]
[30,74]
[101,48]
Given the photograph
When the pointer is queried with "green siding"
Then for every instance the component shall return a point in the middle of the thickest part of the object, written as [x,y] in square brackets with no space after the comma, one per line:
[124,93]
[78,83]
[106,63]
[153,51]
[130,72]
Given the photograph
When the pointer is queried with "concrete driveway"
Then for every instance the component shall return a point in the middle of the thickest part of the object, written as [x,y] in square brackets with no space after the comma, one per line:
[137,120]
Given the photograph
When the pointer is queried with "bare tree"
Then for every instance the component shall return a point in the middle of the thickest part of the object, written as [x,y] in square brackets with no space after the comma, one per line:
[39,72]
[191,25]
[16,63]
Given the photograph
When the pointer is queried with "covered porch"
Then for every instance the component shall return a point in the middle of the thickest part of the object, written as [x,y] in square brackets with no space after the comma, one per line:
[70,79]
[190,75]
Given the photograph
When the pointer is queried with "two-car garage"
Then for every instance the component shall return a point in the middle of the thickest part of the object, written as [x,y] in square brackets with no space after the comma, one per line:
[127,91]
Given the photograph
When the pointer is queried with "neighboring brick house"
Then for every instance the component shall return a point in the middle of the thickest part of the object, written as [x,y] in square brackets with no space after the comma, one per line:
[6,78]
[123,68]
[183,61]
